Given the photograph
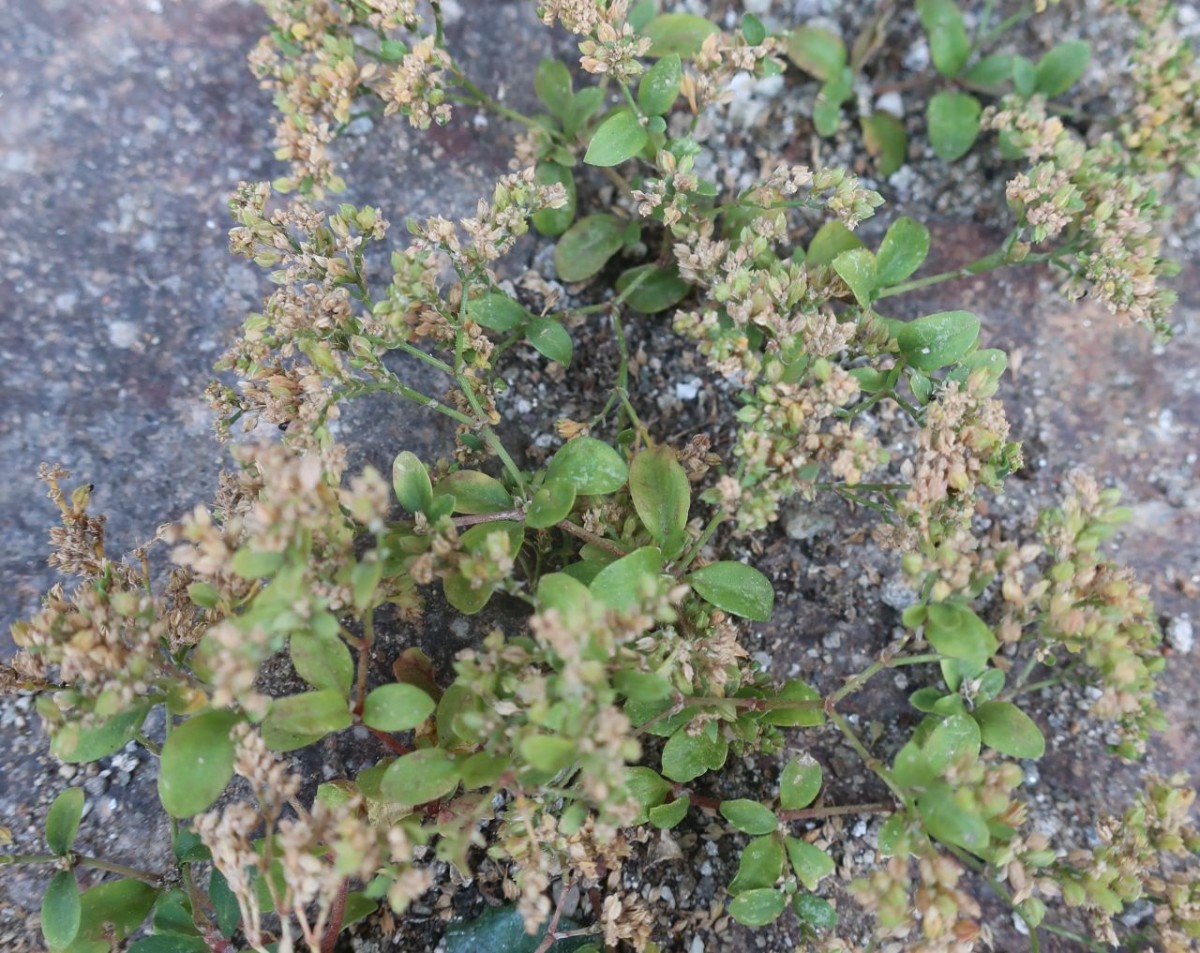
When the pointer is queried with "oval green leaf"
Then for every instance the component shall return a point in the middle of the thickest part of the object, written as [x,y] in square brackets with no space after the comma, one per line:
[1062,67]
[685,757]
[660,490]
[419,777]
[552,222]
[811,864]
[296,721]
[322,659]
[61,910]
[749,817]
[659,88]
[550,339]
[496,312]
[197,763]
[1009,730]
[799,783]
[902,252]
[587,246]
[592,466]
[62,821]
[619,138]
[662,288]
[411,482]
[736,588]
[620,584]
[396,707]
[936,340]
[953,124]
[757,908]
[680,33]
[552,502]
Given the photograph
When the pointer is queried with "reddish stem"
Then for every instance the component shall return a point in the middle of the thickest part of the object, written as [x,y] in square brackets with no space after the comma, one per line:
[337,914]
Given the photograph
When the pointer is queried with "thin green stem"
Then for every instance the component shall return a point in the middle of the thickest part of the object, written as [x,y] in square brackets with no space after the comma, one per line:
[880,769]
[134,873]
[995,259]
[480,98]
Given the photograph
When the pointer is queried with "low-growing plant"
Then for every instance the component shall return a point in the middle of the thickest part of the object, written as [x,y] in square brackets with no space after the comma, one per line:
[613,693]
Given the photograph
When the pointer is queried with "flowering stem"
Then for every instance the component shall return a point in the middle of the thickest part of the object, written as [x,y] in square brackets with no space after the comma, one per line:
[608,545]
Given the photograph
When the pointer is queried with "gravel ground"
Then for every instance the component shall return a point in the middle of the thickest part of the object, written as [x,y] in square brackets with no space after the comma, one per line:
[122,131]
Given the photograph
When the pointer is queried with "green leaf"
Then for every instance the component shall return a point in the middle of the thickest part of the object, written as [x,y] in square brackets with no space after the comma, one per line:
[171,943]
[550,339]
[953,124]
[496,312]
[749,817]
[685,757]
[949,45]
[197,763]
[583,105]
[592,466]
[420,777]
[831,240]
[949,822]
[644,686]
[552,222]
[587,246]
[954,630]
[827,110]
[548,752]
[557,590]
[991,72]
[464,595]
[1009,730]
[1024,75]
[811,864]
[992,360]
[902,252]
[396,707]
[893,836]
[502,930]
[481,769]
[1061,67]
[932,342]
[225,903]
[816,51]
[621,584]
[112,911]
[173,914]
[296,721]
[62,821]
[814,911]
[886,140]
[662,289]
[666,816]
[250,564]
[680,33]
[648,788]
[857,269]
[552,83]
[61,910]
[660,490]
[204,595]
[735,587]
[322,659]
[474,493]
[659,87]
[761,864]
[807,717]
[757,908]
[753,29]
[410,480]
[619,138]
[552,502]
[799,783]
[949,741]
